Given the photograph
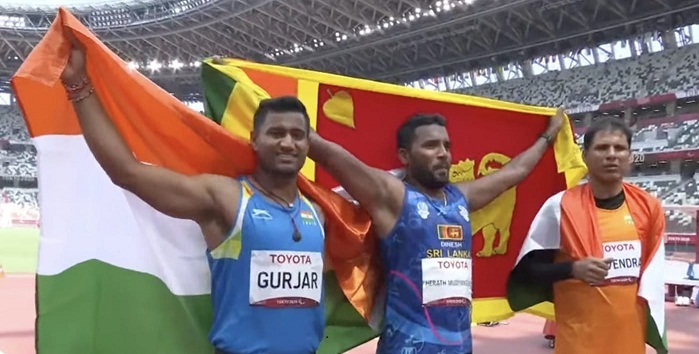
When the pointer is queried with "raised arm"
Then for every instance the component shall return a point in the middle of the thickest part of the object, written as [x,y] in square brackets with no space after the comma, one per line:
[377,191]
[482,191]
[171,193]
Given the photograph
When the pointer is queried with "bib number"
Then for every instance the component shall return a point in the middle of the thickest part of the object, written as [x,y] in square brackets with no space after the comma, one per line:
[446,281]
[285,278]
[626,264]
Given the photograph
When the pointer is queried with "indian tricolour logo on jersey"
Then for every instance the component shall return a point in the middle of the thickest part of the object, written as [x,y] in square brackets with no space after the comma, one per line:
[307,217]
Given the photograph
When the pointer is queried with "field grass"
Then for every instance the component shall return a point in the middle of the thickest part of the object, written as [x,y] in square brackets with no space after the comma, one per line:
[18,249]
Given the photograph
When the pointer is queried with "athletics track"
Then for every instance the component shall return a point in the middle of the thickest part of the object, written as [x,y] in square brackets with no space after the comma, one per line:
[522,333]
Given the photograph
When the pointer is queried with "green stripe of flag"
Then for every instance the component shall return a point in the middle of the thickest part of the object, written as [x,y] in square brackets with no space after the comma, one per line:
[522,296]
[344,327]
[653,336]
[101,301]
[218,87]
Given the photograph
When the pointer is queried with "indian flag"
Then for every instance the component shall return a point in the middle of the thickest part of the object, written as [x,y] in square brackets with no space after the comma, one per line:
[115,275]
[307,217]
[565,219]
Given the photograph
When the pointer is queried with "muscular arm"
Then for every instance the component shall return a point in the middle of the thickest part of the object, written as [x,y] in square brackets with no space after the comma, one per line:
[539,267]
[377,191]
[171,193]
[482,191]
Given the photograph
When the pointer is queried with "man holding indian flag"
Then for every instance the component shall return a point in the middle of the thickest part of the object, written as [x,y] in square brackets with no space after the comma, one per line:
[599,248]
[265,240]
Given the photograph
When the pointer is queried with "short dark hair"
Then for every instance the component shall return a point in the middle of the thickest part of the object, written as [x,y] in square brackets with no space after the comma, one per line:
[282,104]
[406,132]
[606,124]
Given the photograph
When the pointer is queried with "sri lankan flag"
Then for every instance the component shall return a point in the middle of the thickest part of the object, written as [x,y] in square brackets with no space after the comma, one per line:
[363,116]
[450,232]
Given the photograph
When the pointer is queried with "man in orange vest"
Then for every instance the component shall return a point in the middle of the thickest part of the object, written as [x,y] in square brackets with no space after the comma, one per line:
[597,251]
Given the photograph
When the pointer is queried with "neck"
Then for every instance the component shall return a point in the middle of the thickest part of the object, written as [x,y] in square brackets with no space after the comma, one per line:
[435,193]
[604,190]
[281,185]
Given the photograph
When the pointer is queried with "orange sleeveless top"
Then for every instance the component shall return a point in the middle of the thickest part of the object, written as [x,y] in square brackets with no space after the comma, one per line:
[608,318]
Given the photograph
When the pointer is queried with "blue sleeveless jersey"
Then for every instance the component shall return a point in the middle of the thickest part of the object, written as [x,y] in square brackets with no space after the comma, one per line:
[427,257]
[267,289]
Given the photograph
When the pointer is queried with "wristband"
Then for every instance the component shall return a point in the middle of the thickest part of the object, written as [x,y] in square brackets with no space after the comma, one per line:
[547,138]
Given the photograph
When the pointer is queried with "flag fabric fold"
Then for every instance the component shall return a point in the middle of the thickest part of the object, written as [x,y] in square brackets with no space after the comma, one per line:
[568,219]
[116,276]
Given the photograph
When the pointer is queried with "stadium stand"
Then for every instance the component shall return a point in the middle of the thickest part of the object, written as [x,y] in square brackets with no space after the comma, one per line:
[644,76]
[18,170]
[12,126]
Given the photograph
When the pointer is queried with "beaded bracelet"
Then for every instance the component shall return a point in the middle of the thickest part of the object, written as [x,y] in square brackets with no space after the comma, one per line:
[75,87]
[80,98]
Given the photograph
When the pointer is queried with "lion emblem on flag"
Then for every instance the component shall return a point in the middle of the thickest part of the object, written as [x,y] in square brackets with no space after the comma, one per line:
[495,218]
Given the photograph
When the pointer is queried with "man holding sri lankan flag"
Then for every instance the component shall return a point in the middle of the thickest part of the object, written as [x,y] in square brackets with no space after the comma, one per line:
[597,251]
[421,220]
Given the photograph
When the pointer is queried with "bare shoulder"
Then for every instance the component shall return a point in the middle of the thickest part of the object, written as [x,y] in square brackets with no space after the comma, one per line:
[394,181]
[385,215]
[392,191]
[225,192]
[213,180]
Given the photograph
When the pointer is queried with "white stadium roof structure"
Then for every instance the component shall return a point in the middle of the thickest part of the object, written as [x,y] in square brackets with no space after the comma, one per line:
[399,41]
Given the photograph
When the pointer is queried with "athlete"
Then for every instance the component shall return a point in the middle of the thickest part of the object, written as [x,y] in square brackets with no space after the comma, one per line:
[591,246]
[265,240]
[423,223]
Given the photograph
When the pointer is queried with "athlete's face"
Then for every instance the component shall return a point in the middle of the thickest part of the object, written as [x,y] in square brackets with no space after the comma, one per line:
[429,157]
[608,157]
[281,143]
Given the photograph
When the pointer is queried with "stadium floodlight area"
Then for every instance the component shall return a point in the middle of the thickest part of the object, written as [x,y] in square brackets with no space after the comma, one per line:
[68,3]
[102,14]
[54,4]
[98,13]
[412,15]
[154,65]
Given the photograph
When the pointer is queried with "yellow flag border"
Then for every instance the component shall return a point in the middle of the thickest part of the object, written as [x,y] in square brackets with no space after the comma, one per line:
[567,153]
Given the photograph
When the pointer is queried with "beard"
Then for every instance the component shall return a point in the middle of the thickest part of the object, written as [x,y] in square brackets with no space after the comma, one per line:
[428,178]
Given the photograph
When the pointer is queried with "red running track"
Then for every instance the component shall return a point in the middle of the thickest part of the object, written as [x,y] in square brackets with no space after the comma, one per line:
[522,332]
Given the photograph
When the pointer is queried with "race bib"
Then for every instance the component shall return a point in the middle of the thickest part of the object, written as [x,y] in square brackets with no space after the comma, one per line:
[446,281]
[285,278]
[626,264]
